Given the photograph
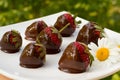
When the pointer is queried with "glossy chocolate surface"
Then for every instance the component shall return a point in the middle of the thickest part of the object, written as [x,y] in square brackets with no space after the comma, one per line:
[71,62]
[88,33]
[33,56]
[34,29]
[61,22]
[51,43]
[11,42]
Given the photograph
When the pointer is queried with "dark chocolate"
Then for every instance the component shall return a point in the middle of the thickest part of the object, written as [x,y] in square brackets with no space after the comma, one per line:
[33,56]
[62,21]
[51,39]
[34,29]
[89,33]
[75,58]
[11,42]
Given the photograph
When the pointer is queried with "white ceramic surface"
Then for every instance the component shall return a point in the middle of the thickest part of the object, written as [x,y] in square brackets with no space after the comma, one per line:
[9,63]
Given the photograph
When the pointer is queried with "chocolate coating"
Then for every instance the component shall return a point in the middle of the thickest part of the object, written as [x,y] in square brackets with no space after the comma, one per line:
[33,56]
[11,42]
[61,22]
[34,29]
[51,39]
[89,33]
[72,60]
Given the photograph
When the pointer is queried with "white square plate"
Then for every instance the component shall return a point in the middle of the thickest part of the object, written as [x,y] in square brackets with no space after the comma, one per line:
[9,63]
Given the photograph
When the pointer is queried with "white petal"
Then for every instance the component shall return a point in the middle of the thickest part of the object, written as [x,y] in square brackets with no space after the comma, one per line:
[105,41]
[93,46]
[100,42]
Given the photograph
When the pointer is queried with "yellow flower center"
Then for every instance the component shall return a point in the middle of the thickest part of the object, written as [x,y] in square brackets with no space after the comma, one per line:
[118,46]
[102,54]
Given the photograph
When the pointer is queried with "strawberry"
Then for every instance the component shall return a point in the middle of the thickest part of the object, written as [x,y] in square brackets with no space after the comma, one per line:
[70,19]
[62,21]
[40,26]
[14,38]
[33,56]
[53,35]
[34,29]
[84,56]
[11,38]
[89,33]
[51,39]
[11,41]
[76,58]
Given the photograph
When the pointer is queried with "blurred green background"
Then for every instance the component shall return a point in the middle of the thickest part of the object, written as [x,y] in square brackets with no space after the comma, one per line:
[104,12]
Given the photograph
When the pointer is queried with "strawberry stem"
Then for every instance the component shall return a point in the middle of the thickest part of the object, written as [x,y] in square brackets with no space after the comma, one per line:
[64,27]
[78,22]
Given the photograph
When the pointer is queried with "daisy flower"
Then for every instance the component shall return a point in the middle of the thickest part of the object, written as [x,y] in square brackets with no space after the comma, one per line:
[105,53]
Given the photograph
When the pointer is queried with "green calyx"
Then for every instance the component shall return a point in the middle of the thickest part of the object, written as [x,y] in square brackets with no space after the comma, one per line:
[39,49]
[99,28]
[14,32]
[54,30]
[90,55]
[15,38]
[91,58]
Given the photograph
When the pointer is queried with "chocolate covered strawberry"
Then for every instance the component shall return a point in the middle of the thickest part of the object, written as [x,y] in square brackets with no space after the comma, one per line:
[51,39]
[33,56]
[34,29]
[76,58]
[89,33]
[65,20]
[11,41]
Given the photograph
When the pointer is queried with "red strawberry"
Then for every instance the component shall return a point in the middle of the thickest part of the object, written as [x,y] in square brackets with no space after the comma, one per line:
[34,29]
[11,41]
[70,19]
[85,57]
[76,58]
[63,20]
[40,26]
[51,39]
[89,33]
